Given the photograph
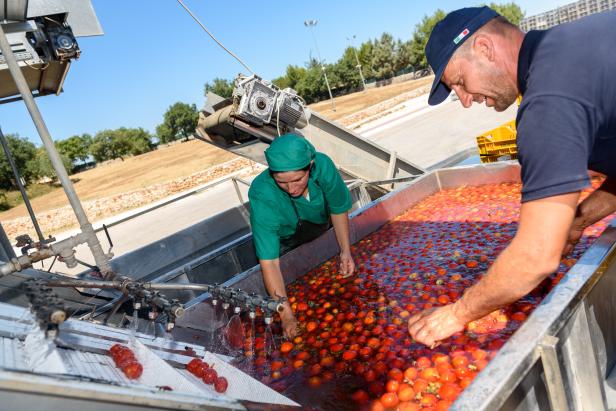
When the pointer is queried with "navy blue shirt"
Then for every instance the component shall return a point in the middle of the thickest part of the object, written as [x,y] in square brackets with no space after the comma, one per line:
[566,123]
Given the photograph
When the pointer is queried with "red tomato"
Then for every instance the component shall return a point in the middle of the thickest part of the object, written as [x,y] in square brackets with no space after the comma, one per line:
[389,400]
[360,397]
[410,374]
[430,374]
[449,391]
[221,384]
[423,362]
[420,385]
[133,370]
[408,406]
[392,386]
[286,347]
[193,364]
[209,376]
[428,400]
[460,361]
[406,393]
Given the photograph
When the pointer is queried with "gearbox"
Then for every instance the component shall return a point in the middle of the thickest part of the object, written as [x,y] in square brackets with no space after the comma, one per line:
[257,100]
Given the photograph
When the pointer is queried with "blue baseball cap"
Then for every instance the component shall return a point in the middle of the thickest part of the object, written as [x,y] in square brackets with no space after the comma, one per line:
[447,35]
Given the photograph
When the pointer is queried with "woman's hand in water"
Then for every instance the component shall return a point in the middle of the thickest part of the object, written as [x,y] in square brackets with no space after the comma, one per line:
[289,322]
[347,265]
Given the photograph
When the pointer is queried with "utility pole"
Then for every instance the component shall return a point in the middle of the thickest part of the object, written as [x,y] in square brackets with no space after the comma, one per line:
[361,75]
[310,24]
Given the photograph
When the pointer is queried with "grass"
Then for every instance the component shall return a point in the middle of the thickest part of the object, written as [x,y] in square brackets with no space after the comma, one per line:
[158,166]
[352,103]
[12,198]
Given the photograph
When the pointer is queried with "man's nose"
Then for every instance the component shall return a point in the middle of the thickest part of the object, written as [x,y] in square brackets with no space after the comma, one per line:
[466,99]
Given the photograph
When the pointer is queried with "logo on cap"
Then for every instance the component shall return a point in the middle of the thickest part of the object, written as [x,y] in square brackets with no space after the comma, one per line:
[461,36]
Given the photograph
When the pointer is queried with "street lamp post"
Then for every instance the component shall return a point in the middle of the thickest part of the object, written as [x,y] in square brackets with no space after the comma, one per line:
[361,75]
[310,24]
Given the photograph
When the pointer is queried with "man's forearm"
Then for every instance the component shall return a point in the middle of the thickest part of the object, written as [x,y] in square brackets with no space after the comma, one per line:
[341,229]
[532,255]
[512,276]
[600,204]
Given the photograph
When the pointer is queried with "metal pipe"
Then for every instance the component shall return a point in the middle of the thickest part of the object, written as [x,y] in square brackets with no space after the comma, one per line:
[62,249]
[222,116]
[238,191]
[84,284]
[101,259]
[24,261]
[174,286]
[222,292]
[22,189]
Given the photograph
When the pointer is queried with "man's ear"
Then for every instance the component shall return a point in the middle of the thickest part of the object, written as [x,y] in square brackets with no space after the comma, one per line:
[484,46]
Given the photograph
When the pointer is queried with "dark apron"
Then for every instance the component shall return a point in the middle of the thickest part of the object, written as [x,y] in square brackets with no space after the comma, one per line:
[305,231]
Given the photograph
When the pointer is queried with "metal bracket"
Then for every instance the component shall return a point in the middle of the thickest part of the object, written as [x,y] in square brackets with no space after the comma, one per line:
[553,375]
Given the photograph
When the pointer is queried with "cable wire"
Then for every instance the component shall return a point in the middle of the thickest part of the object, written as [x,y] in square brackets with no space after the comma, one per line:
[214,38]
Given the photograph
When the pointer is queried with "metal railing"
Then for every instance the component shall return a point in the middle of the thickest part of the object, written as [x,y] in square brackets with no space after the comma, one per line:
[234,179]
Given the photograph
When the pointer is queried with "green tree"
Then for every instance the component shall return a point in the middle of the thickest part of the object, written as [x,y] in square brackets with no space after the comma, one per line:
[404,55]
[22,151]
[179,121]
[140,141]
[220,86]
[365,58]
[40,166]
[511,11]
[421,36]
[346,69]
[312,86]
[293,75]
[120,143]
[76,148]
[383,56]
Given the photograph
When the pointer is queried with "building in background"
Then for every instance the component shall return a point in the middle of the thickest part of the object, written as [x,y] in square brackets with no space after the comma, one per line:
[568,12]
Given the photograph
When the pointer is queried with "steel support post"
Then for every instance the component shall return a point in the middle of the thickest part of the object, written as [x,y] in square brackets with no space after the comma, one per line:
[553,374]
[101,259]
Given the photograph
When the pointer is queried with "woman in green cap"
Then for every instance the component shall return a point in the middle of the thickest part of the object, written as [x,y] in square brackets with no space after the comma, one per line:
[292,203]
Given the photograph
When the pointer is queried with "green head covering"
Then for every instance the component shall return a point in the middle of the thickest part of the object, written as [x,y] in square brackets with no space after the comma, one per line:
[289,153]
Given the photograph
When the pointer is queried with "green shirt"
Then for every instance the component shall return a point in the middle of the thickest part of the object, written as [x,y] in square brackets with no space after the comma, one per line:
[271,212]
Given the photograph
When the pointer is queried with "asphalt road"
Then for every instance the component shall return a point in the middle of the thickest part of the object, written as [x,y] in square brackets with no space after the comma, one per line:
[427,135]
[160,223]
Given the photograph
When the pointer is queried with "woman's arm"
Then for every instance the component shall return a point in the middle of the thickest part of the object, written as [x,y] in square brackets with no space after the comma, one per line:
[341,229]
[274,283]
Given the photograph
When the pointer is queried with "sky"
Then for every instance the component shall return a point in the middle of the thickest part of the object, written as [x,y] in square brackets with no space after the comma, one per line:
[153,54]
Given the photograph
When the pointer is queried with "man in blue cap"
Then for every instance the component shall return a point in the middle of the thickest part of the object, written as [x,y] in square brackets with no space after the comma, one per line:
[292,203]
[566,125]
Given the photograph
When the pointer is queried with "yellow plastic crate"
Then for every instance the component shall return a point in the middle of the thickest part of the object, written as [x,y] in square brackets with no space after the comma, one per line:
[498,141]
[497,157]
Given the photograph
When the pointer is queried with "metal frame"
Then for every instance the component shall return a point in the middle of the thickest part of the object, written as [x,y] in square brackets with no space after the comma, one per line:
[564,317]
[101,259]
[557,357]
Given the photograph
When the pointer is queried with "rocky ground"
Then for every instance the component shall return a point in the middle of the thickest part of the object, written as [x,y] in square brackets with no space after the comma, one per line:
[60,219]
